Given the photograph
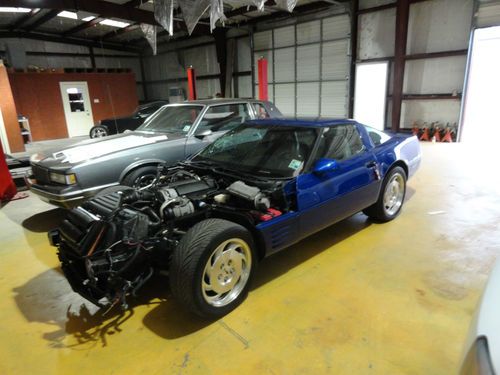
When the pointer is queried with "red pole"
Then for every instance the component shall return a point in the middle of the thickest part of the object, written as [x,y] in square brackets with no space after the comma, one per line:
[7,186]
[262,70]
[191,83]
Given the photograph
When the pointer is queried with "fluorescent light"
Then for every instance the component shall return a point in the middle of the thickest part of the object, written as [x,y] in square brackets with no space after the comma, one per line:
[14,10]
[87,19]
[114,23]
[67,14]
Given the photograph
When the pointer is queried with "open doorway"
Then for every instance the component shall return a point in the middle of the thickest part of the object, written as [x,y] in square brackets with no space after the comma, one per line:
[370,94]
[481,113]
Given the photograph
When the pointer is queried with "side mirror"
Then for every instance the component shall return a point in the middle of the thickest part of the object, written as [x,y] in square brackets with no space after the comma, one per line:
[203,133]
[325,165]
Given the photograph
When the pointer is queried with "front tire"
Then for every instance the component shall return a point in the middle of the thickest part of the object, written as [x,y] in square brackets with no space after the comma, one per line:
[140,177]
[98,132]
[391,197]
[211,268]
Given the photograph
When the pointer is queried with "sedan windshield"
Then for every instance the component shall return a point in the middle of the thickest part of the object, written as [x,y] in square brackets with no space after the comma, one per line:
[273,151]
[172,119]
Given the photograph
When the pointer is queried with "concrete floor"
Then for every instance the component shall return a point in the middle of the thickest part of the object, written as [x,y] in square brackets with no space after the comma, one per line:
[357,298]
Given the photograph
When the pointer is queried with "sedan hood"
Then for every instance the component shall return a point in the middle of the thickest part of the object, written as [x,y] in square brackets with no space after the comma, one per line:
[95,148]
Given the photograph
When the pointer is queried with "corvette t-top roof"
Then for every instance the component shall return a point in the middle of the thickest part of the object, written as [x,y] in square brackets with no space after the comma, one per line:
[307,122]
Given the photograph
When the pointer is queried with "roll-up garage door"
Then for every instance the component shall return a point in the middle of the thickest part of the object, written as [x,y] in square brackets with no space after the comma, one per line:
[308,66]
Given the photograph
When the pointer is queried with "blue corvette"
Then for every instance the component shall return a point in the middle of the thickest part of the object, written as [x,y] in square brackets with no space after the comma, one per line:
[258,189]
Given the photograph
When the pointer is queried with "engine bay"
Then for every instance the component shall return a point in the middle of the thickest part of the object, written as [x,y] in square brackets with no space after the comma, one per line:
[111,245]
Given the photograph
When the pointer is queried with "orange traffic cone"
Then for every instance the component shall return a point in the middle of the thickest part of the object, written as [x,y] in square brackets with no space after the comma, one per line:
[425,135]
[447,136]
[437,135]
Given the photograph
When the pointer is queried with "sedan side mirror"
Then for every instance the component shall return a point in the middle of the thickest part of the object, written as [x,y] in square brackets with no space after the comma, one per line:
[203,134]
[325,165]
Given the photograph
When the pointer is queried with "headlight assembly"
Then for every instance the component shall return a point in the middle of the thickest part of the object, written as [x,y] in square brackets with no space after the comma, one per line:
[64,179]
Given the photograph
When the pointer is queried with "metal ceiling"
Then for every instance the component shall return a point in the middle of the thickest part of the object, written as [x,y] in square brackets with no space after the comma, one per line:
[43,21]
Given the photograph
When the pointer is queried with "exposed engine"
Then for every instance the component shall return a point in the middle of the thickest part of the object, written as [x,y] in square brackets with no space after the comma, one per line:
[111,245]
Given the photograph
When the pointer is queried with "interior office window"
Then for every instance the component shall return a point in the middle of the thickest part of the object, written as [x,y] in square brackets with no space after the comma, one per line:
[224,117]
[341,142]
[75,97]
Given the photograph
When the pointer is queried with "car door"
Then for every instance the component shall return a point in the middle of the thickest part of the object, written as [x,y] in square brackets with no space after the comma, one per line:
[326,198]
[216,120]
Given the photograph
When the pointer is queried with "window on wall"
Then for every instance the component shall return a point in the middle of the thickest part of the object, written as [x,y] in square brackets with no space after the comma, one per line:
[308,66]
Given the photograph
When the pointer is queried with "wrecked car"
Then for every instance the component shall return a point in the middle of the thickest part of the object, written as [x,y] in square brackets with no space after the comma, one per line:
[208,221]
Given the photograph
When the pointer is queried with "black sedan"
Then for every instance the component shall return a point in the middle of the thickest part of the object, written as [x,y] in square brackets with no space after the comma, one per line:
[120,124]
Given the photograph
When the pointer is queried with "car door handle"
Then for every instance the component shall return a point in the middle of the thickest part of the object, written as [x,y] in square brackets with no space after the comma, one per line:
[371,164]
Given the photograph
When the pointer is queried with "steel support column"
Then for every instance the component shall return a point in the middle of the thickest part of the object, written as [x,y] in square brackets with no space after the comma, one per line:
[402,15]
[354,54]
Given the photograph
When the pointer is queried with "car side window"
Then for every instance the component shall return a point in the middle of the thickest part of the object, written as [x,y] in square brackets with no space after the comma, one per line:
[340,142]
[377,136]
[223,117]
[261,111]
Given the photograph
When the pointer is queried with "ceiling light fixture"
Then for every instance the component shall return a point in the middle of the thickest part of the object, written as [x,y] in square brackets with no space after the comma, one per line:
[67,14]
[14,10]
[114,23]
[89,18]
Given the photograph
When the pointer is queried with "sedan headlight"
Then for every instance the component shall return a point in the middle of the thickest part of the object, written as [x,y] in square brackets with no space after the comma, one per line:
[64,179]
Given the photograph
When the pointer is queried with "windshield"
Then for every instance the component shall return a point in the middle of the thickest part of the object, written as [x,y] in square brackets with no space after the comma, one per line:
[172,119]
[273,151]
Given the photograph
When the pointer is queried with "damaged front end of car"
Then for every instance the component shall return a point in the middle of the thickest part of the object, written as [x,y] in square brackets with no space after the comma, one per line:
[111,245]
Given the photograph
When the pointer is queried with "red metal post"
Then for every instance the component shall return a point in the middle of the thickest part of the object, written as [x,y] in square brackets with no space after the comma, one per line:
[7,186]
[191,83]
[262,71]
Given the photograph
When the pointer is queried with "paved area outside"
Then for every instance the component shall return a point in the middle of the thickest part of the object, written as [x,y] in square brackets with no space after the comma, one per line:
[356,298]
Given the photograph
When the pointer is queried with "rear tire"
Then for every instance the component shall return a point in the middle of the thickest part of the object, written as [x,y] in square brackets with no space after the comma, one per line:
[391,197]
[98,132]
[211,268]
[140,177]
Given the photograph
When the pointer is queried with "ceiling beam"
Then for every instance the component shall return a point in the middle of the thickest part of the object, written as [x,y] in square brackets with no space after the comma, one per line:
[45,18]
[103,8]
[83,26]
[23,19]
[118,32]
[66,40]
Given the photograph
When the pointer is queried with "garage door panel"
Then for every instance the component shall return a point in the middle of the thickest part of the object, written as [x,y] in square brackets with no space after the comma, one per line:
[308,32]
[308,62]
[263,40]
[284,65]
[334,99]
[335,62]
[285,98]
[308,99]
[284,36]
[336,27]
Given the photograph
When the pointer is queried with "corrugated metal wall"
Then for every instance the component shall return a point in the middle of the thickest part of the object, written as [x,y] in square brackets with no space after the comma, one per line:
[168,70]
[52,60]
[308,66]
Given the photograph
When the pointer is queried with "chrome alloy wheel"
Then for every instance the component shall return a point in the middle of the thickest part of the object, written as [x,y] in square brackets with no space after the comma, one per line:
[226,272]
[99,133]
[394,194]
